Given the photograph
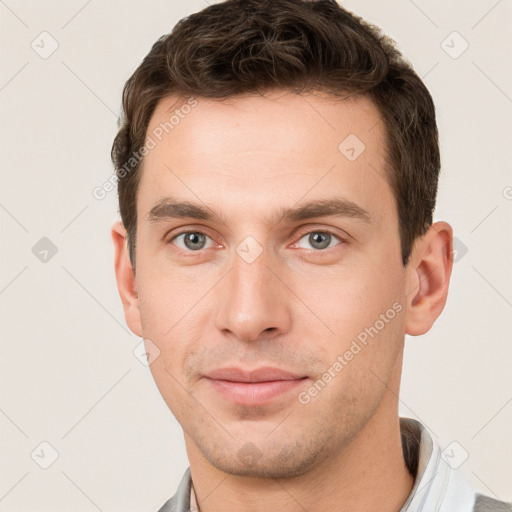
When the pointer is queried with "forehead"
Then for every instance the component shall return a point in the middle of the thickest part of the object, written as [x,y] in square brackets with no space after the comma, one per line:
[276,120]
[275,147]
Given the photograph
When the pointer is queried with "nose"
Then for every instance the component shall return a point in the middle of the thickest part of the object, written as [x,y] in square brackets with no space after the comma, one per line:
[252,301]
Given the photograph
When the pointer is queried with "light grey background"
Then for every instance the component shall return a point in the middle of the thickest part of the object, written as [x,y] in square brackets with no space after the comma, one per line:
[68,373]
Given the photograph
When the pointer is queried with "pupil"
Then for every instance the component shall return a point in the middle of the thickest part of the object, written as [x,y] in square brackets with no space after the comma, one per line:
[320,240]
[192,240]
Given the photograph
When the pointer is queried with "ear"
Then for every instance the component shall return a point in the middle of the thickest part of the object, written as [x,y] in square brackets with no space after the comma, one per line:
[125,276]
[429,272]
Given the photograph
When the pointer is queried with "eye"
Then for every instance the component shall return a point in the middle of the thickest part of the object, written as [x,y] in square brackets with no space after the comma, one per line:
[318,240]
[192,241]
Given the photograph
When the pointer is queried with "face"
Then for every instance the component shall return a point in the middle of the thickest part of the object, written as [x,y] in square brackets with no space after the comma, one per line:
[269,276]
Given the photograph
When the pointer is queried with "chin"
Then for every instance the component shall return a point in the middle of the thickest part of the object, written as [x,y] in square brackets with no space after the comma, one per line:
[270,462]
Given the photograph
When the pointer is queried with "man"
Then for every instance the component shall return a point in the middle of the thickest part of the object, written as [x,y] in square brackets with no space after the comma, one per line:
[278,165]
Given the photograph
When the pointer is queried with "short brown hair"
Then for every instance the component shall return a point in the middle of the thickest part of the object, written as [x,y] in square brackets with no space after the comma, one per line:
[252,46]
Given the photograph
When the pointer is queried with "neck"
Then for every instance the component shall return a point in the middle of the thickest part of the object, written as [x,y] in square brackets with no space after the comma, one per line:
[366,475]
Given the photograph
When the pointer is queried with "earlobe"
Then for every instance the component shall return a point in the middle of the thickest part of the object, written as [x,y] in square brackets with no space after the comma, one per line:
[429,278]
[125,277]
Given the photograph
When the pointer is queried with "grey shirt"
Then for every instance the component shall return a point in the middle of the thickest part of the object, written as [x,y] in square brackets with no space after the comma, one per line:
[439,485]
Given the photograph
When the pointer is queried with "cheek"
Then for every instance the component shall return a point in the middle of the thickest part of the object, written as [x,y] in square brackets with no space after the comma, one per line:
[348,298]
[175,313]
[168,296]
[169,383]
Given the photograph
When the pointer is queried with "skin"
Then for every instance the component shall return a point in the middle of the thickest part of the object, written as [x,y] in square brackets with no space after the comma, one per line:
[296,306]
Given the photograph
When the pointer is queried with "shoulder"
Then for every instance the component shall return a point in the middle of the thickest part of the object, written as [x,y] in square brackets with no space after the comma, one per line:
[487,504]
[180,502]
[439,484]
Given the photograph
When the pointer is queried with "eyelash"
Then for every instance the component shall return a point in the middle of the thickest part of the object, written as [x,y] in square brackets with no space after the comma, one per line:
[302,235]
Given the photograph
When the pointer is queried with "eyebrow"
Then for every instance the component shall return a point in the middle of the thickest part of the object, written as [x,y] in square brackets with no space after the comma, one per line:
[170,208]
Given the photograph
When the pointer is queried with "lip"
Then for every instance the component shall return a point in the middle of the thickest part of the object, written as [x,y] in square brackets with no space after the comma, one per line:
[253,387]
[262,374]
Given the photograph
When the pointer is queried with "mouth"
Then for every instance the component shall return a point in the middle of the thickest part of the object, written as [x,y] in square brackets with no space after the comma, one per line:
[254,387]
